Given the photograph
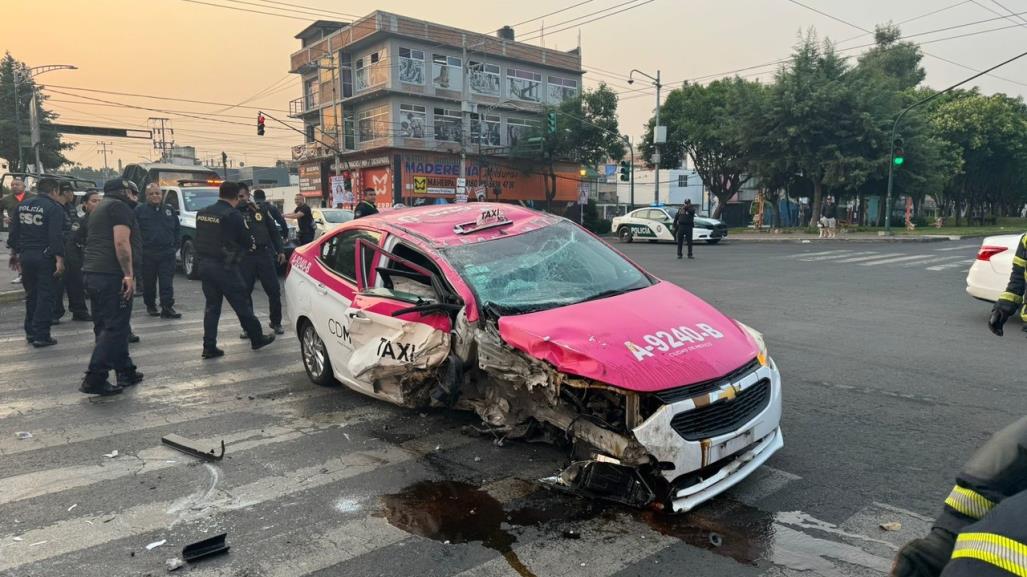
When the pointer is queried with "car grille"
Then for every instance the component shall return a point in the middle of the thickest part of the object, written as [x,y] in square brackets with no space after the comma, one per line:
[688,391]
[723,416]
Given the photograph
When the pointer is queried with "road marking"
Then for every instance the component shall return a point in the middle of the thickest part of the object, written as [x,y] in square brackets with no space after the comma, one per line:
[952,265]
[211,498]
[835,256]
[966,248]
[805,254]
[933,260]
[895,260]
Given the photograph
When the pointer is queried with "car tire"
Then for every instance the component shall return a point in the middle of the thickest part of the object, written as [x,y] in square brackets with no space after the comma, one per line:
[315,356]
[624,234]
[189,260]
[712,240]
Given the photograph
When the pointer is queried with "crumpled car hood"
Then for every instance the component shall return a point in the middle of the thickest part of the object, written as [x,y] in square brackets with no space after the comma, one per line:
[646,340]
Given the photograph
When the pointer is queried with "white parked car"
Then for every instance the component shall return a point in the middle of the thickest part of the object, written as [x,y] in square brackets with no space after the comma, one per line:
[326,219]
[656,224]
[989,275]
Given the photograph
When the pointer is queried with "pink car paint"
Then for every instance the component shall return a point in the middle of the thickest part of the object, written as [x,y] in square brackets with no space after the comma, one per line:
[590,339]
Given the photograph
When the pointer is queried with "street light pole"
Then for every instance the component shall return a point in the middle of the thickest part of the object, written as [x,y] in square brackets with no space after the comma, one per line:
[656,129]
[30,73]
[895,127]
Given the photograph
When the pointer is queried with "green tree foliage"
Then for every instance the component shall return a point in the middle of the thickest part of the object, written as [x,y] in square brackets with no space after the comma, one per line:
[51,152]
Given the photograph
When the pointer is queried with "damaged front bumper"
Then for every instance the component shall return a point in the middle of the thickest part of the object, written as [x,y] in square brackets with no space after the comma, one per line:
[743,418]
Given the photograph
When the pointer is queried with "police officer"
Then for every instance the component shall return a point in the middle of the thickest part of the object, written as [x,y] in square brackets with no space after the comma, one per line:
[684,222]
[304,220]
[160,228]
[109,266]
[1013,297]
[276,215]
[982,530]
[37,243]
[9,207]
[74,246]
[261,260]
[366,205]
[222,240]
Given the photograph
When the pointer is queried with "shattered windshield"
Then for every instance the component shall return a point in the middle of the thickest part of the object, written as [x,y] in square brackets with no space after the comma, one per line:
[551,267]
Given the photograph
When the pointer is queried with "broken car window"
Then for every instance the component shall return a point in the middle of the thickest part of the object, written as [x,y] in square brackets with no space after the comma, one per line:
[551,267]
[339,252]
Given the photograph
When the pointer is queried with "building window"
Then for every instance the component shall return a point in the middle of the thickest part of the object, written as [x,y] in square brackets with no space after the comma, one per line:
[310,94]
[524,84]
[412,120]
[561,89]
[373,123]
[485,129]
[483,78]
[309,131]
[411,66]
[448,124]
[683,180]
[372,70]
[447,72]
[518,129]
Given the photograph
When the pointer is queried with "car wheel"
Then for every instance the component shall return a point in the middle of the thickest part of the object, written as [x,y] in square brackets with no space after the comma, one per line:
[712,240]
[189,261]
[315,356]
[624,234]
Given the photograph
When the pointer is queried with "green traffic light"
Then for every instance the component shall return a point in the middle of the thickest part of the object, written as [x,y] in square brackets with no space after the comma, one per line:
[899,160]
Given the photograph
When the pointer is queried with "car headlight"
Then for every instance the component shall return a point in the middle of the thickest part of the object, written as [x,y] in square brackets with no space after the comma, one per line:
[757,336]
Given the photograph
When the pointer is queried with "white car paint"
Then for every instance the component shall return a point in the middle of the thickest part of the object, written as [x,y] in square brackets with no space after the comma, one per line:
[988,279]
[656,223]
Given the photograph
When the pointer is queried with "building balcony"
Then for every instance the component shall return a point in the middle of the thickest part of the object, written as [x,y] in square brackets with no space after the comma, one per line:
[304,105]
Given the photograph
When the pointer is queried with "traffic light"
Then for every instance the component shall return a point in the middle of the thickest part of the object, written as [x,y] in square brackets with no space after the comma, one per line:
[551,122]
[898,155]
[260,124]
[625,171]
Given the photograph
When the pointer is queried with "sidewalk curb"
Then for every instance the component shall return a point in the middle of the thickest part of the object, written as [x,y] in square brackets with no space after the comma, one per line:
[12,296]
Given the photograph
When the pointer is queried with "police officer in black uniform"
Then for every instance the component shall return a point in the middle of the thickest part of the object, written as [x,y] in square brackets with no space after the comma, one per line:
[304,221]
[260,261]
[366,205]
[684,223]
[984,518]
[37,243]
[71,281]
[222,240]
[159,224]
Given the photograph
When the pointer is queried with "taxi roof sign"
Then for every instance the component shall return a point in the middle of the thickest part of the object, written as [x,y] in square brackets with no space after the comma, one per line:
[489,218]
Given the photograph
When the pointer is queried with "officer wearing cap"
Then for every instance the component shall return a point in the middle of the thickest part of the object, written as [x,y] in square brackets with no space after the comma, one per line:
[37,245]
[71,281]
[109,265]
[222,239]
[159,224]
[261,260]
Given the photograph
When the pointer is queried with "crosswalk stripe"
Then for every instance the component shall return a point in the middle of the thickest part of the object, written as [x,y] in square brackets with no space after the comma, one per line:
[806,254]
[206,407]
[948,248]
[835,256]
[932,260]
[952,265]
[75,534]
[873,256]
[891,260]
[159,457]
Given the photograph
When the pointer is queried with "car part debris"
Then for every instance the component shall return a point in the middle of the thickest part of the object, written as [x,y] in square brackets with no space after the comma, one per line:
[200,549]
[608,481]
[891,526]
[22,435]
[112,454]
[190,447]
[156,544]
[173,564]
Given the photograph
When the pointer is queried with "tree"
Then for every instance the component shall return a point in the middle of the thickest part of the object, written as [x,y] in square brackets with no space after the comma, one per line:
[708,123]
[51,146]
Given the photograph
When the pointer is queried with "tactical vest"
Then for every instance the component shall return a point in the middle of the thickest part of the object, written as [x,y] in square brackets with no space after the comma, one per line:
[257,221]
[210,237]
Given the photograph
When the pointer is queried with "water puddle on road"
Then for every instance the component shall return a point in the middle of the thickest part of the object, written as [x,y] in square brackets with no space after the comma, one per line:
[457,512]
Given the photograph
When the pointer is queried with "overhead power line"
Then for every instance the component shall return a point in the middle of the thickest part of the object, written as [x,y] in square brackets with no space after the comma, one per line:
[246,10]
[154,97]
[522,22]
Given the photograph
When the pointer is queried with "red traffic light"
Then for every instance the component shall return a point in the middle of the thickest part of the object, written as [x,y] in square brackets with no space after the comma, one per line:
[260,124]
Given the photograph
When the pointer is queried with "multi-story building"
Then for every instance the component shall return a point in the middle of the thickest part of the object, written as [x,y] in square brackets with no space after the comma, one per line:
[419,111]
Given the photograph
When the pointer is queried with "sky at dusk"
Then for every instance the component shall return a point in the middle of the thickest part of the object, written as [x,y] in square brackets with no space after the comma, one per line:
[180,49]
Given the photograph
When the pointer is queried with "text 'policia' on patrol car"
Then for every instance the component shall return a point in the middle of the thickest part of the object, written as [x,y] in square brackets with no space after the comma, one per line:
[545,331]
[657,223]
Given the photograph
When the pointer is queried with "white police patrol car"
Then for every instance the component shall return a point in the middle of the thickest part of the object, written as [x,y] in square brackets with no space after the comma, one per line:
[656,223]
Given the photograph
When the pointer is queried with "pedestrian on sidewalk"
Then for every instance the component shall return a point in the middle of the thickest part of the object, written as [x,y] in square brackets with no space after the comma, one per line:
[304,221]
[684,223]
[159,226]
[829,213]
[109,266]
[262,259]
[71,281]
[37,252]
[9,206]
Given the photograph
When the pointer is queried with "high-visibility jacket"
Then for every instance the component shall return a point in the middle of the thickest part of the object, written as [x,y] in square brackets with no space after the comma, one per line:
[995,546]
[1013,297]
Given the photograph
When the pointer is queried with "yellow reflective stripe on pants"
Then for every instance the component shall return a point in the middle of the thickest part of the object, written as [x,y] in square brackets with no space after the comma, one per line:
[1017,261]
[1011,297]
[968,502]
[996,550]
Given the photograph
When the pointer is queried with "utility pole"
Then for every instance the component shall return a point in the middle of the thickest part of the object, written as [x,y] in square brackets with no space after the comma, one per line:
[659,136]
[224,165]
[36,138]
[104,151]
[164,142]
[465,106]
[17,121]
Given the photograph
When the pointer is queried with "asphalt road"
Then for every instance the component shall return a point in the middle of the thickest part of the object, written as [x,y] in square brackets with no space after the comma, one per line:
[891,380]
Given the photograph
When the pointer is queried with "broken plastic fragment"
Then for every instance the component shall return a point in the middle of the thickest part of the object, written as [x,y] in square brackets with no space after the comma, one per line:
[72,507]
[891,526]
[18,539]
[23,435]
[174,564]
[156,544]
[112,454]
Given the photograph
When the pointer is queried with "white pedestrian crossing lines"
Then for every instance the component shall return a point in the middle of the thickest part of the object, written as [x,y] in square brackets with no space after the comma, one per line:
[949,258]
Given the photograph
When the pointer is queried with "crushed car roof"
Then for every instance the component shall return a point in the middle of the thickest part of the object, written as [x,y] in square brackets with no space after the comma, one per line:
[460,224]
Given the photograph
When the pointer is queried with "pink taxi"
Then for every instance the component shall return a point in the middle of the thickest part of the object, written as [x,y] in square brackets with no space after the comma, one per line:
[545,331]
